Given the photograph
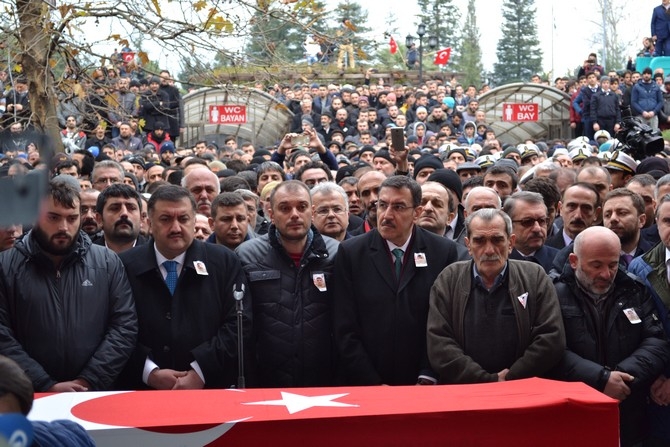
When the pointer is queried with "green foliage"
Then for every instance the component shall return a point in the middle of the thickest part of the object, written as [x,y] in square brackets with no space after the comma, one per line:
[471,53]
[519,54]
[356,28]
[276,40]
[444,21]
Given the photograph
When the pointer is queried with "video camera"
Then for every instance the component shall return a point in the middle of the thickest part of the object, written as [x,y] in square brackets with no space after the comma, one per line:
[639,140]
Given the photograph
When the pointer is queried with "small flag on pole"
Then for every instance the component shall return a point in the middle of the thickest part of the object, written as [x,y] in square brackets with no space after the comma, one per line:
[442,56]
[393,45]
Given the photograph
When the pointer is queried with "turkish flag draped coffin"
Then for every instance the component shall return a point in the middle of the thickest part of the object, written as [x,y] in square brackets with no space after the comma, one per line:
[530,412]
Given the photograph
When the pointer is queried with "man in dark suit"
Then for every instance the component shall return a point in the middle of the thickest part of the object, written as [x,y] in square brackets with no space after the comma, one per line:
[580,209]
[529,224]
[381,293]
[184,294]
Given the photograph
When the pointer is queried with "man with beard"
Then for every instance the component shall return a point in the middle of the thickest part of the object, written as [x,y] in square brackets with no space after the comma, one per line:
[87,207]
[204,185]
[154,104]
[156,137]
[66,308]
[118,211]
[614,336]
[174,108]
[623,213]
[126,140]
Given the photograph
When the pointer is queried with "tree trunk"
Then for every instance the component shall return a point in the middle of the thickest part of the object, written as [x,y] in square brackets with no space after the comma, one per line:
[35,43]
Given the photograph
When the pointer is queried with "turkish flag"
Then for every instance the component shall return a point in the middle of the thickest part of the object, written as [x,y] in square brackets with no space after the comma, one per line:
[442,56]
[128,57]
[393,45]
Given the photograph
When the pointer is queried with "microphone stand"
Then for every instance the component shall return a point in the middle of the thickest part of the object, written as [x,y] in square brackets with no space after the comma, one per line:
[239,307]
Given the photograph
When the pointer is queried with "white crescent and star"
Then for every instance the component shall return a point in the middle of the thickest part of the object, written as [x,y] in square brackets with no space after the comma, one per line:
[59,406]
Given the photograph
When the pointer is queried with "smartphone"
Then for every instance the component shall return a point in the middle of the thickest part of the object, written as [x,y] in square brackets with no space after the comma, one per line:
[300,140]
[398,138]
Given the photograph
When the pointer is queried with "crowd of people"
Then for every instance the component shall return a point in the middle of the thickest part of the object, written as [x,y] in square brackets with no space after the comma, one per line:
[452,259]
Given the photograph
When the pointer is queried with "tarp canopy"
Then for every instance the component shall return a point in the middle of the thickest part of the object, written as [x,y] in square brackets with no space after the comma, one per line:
[267,120]
[553,119]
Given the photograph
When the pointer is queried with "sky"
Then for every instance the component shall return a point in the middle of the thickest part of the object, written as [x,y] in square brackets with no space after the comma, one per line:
[565,28]
[564,47]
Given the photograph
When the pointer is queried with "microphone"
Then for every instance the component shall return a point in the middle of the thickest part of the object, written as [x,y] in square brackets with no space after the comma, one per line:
[238,294]
[15,430]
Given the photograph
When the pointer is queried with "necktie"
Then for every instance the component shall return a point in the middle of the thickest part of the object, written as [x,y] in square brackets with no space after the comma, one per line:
[667,270]
[398,254]
[171,278]
[626,259]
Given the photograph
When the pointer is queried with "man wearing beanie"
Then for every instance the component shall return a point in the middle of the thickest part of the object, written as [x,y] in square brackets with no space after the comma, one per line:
[452,182]
[425,166]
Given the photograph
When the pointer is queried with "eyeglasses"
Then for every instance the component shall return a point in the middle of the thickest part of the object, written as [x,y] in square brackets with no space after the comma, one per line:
[109,180]
[529,222]
[395,207]
[325,210]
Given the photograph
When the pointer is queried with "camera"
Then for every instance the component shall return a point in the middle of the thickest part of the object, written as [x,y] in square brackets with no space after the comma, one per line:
[639,139]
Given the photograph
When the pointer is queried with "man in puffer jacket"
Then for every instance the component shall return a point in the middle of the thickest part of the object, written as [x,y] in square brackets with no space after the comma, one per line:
[647,99]
[67,315]
[289,271]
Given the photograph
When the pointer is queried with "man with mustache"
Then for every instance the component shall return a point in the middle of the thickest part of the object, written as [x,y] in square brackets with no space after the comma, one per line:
[9,235]
[368,190]
[205,186]
[184,293]
[66,308]
[493,319]
[529,224]
[88,201]
[118,212]
[615,339]
[381,293]
[580,209]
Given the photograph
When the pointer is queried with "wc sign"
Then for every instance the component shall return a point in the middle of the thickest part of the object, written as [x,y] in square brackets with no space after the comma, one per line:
[520,111]
[228,114]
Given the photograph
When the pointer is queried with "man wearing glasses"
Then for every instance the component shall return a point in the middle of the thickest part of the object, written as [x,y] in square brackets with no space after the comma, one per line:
[105,173]
[330,210]
[529,223]
[383,279]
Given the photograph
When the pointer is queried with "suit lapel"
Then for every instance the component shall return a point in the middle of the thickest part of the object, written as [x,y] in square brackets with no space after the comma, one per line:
[381,259]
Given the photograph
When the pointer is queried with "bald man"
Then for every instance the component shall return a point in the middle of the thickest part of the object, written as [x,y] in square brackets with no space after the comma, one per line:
[615,341]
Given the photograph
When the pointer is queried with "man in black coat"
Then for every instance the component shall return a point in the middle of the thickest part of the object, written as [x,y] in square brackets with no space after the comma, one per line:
[184,295]
[174,108]
[615,340]
[383,280]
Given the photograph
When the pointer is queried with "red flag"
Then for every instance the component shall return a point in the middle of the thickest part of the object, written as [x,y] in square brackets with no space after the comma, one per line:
[442,56]
[394,46]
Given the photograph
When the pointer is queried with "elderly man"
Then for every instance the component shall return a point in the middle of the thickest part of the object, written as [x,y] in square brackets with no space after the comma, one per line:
[204,185]
[529,224]
[330,210]
[381,293]
[435,214]
[615,340]
[493,319]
